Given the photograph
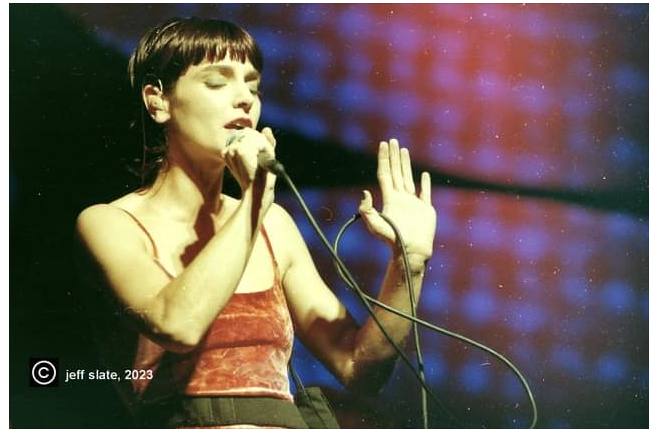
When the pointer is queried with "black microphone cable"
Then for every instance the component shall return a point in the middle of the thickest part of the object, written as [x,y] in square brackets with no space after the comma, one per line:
[364,298]
[361,295]
[422,322]
[413,304]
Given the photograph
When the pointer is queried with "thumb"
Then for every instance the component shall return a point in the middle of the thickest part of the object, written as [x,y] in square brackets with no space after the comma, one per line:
[368,213]
[366,204]
[267,132]
[372,219]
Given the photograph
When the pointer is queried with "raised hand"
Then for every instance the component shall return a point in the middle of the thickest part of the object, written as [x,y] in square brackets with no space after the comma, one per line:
[414,215]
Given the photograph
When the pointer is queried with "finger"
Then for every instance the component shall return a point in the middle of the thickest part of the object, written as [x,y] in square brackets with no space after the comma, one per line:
[271,180]
[366,203]
[267,147]
[228,159]
[231,158]
[267,132]
[394,162]
[372,219]
[232,150]
[368,213]
[406,168]
[425,194]
[384,170]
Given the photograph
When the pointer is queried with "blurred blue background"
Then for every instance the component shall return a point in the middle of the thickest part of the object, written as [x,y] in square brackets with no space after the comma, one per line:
[550,101]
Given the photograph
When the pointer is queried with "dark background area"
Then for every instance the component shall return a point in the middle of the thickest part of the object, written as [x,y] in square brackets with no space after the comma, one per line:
[565,299]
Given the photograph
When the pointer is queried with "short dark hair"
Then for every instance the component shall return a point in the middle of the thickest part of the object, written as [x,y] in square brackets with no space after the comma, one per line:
[164,54]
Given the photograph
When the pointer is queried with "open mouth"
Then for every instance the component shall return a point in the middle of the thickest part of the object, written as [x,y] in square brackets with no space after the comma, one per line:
[238,124]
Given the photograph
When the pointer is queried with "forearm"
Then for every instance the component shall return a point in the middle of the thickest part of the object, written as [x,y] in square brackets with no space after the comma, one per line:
[187,306]
[374,356]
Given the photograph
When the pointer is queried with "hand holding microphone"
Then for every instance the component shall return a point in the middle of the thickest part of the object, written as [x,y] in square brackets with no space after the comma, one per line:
[243,141]
[250,156]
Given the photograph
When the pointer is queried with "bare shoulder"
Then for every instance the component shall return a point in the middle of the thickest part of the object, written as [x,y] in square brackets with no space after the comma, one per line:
[104,217]
[283,232]
[280,221]
[278,216]
[95,217]
[99,218]
[102,227]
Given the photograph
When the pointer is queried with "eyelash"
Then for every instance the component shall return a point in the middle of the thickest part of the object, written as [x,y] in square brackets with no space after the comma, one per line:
[257,93]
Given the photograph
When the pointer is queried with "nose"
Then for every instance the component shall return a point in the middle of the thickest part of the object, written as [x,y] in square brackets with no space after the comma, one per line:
[244,98]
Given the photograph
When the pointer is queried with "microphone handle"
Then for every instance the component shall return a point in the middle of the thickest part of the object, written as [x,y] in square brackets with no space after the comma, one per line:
[270,164]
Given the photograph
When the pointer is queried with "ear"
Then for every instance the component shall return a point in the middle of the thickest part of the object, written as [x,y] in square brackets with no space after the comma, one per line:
[157,105]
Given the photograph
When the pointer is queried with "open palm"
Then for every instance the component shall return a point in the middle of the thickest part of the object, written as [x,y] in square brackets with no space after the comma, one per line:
[414,215]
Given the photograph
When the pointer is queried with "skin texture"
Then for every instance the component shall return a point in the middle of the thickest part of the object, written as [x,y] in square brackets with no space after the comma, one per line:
[211,244]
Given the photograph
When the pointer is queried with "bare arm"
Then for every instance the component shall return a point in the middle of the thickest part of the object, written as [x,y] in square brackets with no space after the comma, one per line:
[178,312]
[360,356]
[374,356]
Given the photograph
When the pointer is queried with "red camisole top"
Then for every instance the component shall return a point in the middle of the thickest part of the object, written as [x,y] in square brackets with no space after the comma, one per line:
[245,351]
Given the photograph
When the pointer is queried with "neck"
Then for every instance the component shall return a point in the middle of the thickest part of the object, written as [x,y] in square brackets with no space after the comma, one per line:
[188,189]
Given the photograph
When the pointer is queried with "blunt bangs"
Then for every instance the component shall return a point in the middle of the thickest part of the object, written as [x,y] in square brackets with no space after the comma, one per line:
[167,51]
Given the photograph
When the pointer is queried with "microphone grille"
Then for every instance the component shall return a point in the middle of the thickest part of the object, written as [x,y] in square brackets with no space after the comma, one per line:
[232,137]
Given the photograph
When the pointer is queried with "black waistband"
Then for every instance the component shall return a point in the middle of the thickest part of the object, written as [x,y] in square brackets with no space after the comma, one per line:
[220,411]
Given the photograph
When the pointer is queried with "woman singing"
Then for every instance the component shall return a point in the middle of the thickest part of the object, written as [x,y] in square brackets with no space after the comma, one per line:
[199,294]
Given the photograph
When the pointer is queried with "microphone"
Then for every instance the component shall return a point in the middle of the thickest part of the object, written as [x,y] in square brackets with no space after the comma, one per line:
[265,161]
[271,164]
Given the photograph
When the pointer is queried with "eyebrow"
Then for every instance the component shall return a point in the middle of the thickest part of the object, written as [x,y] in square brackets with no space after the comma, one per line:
[229,71]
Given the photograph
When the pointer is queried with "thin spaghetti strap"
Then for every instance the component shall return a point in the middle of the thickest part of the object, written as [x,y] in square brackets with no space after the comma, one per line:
[153,243]
[272,253]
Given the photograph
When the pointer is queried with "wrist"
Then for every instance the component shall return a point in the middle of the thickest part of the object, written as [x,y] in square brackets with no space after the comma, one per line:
[256,201]
[417,261]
